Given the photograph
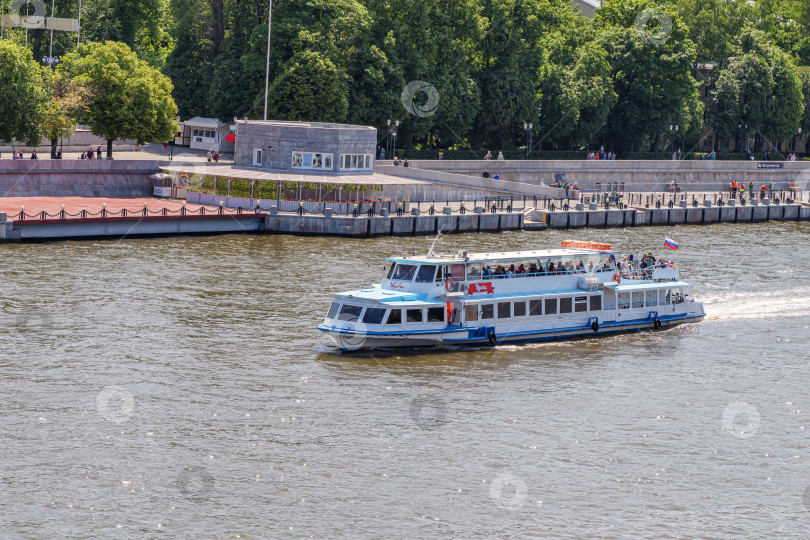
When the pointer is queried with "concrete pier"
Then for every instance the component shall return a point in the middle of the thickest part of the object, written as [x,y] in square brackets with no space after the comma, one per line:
[638,217]
[364,226]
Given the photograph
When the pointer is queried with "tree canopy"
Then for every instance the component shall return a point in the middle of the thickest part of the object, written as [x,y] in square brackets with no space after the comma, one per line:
[624,76]
[131,100]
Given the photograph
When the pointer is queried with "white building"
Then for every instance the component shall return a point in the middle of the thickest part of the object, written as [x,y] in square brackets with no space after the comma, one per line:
[206,134]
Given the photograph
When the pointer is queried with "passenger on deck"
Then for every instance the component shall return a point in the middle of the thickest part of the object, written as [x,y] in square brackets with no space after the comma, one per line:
[487,271]
[521,269]
[511,272]
[590,266]
[551,268]
[580,266]
[533,268]
[499,270]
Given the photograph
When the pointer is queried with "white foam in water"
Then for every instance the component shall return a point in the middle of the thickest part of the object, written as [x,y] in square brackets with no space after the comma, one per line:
[757,305]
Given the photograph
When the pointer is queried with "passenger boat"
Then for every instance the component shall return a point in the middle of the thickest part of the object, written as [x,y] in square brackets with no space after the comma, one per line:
[582,289]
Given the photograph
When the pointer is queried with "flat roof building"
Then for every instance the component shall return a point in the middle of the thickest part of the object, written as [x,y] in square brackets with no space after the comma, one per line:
[312,147]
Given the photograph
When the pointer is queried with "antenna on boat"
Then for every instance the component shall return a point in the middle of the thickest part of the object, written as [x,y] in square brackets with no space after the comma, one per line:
[438,234]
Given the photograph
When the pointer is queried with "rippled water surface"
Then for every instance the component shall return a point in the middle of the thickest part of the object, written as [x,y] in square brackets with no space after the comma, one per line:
[178,388]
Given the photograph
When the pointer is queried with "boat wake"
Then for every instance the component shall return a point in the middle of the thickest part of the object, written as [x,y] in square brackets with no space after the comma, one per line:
[756,305]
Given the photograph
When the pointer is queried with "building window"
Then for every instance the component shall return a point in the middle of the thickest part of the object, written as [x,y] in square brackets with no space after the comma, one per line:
[355,162]
[311,160]
[257,156]
[205,133]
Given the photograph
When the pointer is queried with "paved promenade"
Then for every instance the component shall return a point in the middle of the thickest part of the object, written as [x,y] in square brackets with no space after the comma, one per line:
[74,205]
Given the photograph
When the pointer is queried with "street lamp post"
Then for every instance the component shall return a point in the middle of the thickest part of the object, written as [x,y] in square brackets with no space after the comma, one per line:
[388,140]
[394,135]
[267,67]
[528,128]
[673,131]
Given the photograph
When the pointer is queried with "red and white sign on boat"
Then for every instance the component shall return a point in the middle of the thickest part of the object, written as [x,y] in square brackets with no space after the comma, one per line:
[580,244]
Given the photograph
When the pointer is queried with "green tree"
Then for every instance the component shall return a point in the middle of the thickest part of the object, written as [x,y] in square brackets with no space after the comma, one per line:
[760,89]
[652,68]
[131,100]
[312,89]
[191,62]
[804,75]
[24,96]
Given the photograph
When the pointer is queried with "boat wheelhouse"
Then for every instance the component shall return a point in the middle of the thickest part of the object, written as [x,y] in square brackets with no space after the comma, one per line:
[578,290]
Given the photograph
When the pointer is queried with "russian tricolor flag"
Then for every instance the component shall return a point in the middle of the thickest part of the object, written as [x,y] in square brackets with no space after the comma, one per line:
[668,242]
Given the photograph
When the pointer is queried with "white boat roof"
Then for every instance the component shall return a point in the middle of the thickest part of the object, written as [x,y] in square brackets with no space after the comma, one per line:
[440,258]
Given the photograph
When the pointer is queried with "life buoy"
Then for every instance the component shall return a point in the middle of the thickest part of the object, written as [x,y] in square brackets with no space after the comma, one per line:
[595,326]
[617,277]
[493,339]
[657,323]
[449,284]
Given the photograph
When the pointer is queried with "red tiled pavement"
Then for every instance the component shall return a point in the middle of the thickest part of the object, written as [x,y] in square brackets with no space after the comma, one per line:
[53,205]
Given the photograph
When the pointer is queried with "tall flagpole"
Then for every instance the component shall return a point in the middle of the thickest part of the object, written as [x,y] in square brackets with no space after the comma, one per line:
[267,68]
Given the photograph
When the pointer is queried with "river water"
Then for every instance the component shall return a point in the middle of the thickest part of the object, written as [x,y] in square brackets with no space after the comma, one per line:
[178,388]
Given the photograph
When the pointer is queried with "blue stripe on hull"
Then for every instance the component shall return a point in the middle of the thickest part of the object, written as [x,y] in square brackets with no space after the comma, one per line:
[531,335]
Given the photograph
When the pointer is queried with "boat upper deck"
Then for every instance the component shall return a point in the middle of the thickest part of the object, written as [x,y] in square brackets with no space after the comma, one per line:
[503,256]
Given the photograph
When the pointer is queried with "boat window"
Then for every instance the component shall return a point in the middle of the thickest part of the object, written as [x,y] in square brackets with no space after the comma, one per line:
[474,271]
[374,315]
[405,272]
[551,306]
[391,270]
[333,310]
[426,273]
[395,317]
[487,311]
[350,313]
[623,300]
[596,303]
[668,297]
[519,309]
[580,304]
[504,310]
[565,304]
[638,299]
[436,314]
[471,313]
[535,307]
[413,315]
[457,272]
[652,298]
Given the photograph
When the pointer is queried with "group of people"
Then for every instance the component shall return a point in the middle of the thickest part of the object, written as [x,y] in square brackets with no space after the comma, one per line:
[487,175]
[488,157]
[19,155]
[90,154]
[215,155]
[601,155]
[403,163]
